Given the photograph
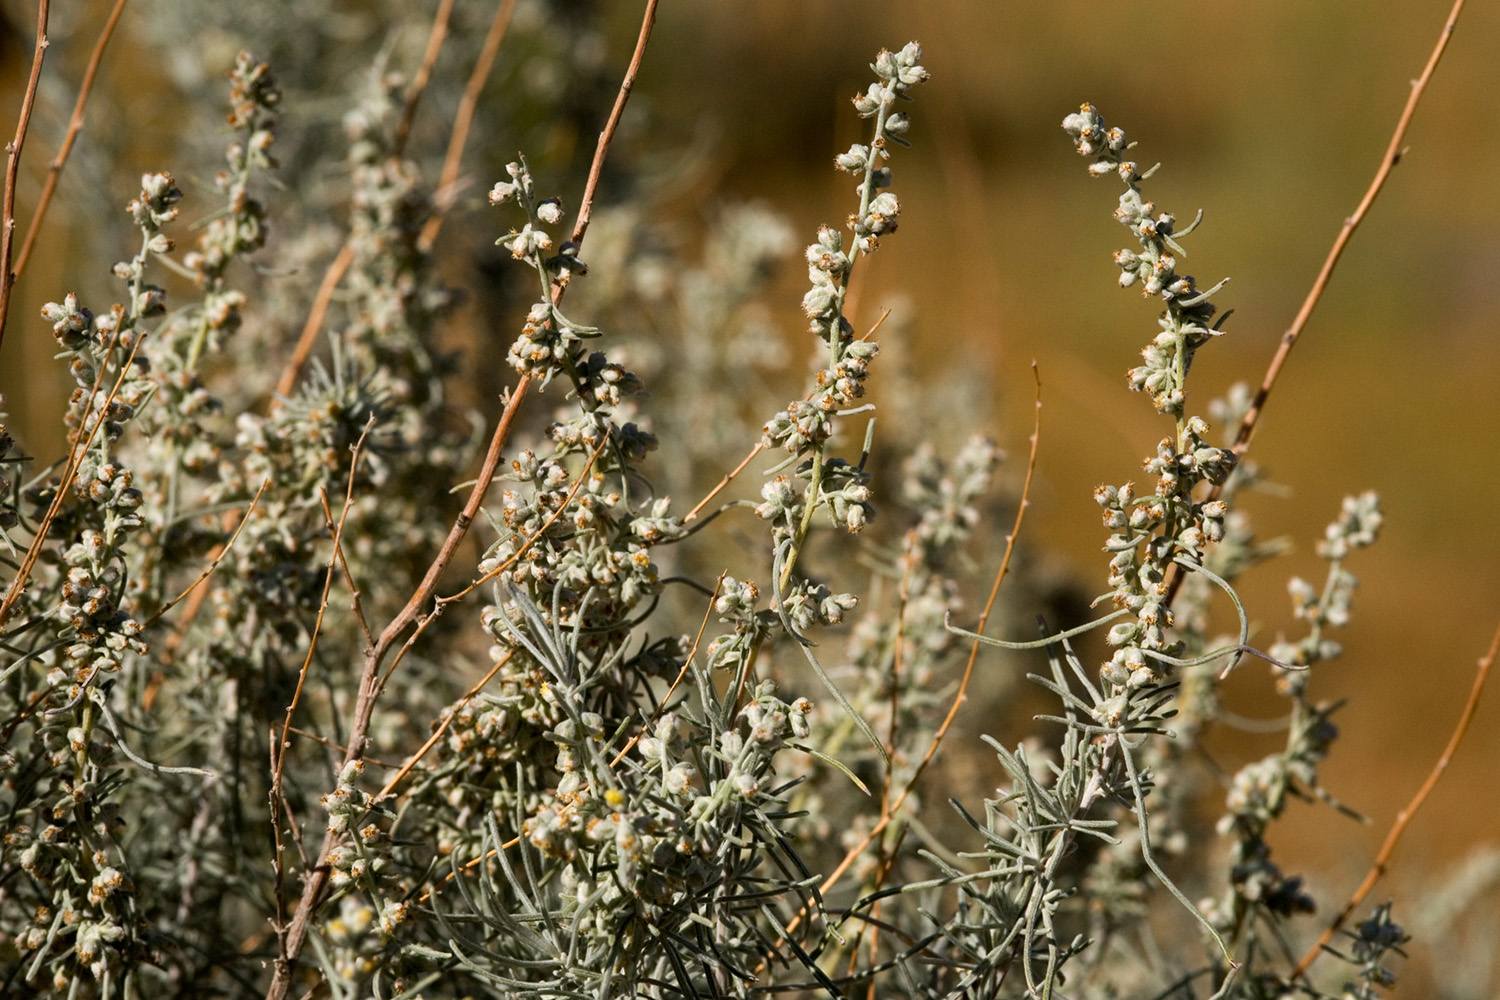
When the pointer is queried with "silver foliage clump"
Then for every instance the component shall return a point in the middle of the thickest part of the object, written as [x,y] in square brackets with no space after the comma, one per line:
[624,752]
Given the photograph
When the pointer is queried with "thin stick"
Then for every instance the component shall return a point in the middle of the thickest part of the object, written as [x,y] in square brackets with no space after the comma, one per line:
[435,39]
[317,630]
[1393,153]
[316,880]
[13,164]
[332,745]
[309,336]
[648,21]
[463,118]
[724,482]
[686,663]
[1404,817]
[963,686]
[355,603]
[70,469]
[339,266]
[541,530]
[279,806]
[440,603]
[369,684]
[75,125]
[218,557]
[442,727]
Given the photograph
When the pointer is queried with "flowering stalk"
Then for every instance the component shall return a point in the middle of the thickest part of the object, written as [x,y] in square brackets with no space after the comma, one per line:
[804,427]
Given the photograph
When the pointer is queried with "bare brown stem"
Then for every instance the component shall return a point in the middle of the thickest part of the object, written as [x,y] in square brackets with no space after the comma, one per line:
[442,602]
[889,812]
[463,118]
[341,263]
[355,603]
[1393,153]
[672,689]
[440,729]
[317,630]
[335,745]
[309,336]
[435,39]
[692,514]
[70,469]
[316,875]
[1404,817]
[541,530]
[648,21]
[75,125]
[13,169]
[215,560]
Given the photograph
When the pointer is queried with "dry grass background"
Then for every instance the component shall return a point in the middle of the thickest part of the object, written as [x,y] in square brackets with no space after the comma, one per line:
[1270,117]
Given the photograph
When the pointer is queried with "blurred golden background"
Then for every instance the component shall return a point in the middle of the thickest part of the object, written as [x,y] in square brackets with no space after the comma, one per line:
[1271,118]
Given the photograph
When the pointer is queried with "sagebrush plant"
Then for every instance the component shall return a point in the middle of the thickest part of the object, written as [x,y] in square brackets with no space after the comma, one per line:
[621,752]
